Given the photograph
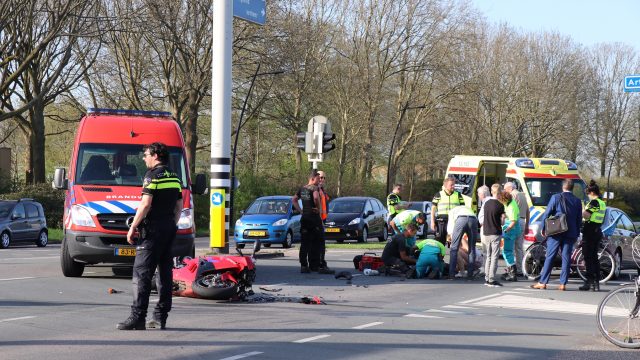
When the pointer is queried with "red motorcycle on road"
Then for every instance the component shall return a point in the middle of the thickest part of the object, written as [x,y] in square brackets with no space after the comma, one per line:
[215,277]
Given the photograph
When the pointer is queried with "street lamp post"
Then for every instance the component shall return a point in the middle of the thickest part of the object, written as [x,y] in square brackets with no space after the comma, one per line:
[613,158]
[235,146]
[393,139]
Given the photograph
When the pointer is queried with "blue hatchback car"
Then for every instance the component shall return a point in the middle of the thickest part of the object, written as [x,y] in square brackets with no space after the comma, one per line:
[272,219]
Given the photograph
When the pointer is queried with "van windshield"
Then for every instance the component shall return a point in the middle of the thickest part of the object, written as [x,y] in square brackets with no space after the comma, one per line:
[119,164]
[541,189]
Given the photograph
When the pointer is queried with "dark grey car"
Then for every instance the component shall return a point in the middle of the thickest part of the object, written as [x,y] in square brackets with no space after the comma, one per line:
[22,221]
[621,238]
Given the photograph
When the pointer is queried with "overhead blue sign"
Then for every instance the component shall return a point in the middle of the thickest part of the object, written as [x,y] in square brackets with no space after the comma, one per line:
[254,11]
[632,83]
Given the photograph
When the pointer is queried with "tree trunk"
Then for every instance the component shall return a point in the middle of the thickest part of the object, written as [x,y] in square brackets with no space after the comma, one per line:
[36,143]
[343,154]
[365,167]
[191,130]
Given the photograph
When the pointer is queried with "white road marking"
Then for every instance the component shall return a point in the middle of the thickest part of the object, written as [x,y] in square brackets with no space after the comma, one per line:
[443,311]
[312,338]
[18,318]
[32,258]
[368,325]
[538,304]
[20,278]
[242,356]
[281,284]
[478,299]
[524,289]
[457,307]
[423,316]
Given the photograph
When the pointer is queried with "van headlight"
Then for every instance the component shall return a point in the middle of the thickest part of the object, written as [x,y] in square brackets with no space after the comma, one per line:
[280,222]
[186,219]
[81,216]
[355,221]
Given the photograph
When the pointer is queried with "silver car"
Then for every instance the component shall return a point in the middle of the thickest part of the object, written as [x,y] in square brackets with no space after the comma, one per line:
[425,207]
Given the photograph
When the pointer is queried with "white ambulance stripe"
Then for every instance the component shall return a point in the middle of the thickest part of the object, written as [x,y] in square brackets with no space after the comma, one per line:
[114,209]
[132,204]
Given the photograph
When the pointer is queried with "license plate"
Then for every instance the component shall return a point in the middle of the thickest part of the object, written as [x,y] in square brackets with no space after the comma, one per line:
[125,251]
[256,233]
[332,230]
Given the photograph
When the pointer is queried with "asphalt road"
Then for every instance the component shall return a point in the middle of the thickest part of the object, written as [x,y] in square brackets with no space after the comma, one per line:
[44,315]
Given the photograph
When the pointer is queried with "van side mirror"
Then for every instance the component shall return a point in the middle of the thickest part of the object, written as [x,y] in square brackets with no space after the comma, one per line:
[60,181]
[200,185]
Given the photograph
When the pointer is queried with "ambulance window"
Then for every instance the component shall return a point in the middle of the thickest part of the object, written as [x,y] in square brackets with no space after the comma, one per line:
[516,182]
[464,183]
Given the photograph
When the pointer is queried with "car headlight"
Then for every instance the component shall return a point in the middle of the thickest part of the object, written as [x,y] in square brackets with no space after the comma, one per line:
[81,216]
[186,219]
[280,222]
[355,221]
[238,222]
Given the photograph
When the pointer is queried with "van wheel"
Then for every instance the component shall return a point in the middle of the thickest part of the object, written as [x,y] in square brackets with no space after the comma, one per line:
[267,245]
[193,252]
[43,239]
[5,240]
[70,267]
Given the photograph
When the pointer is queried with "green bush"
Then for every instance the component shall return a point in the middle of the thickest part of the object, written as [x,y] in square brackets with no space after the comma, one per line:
[52,201]
[626,194]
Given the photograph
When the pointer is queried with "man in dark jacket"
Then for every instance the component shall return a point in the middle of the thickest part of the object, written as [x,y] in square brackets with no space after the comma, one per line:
[568,204]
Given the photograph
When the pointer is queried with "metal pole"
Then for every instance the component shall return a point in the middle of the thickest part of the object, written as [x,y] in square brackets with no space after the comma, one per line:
[222,32]
[393,141]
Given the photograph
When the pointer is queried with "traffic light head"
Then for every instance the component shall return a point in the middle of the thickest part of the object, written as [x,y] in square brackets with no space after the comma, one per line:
[304,142]
[327,142]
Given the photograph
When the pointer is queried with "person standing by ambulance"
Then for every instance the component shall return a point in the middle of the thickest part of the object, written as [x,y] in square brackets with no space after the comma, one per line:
[443,202]
[523,221]
[156,219]
[593,217]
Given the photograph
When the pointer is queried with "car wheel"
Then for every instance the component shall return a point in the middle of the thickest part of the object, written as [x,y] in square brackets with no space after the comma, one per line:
[193,252]
[288,240]
[70,267]
[365,235]
[385,234]
[339,241]
[43,239]
[240,246]
[124,271]
[5,240]
[267,245]
[618,265]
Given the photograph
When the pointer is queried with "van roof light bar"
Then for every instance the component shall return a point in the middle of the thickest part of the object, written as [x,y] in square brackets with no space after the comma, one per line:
[571,165]
[103,111]
[525,163]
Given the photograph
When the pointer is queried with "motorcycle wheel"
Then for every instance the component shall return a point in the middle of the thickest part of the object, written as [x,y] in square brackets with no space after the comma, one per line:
[212,286]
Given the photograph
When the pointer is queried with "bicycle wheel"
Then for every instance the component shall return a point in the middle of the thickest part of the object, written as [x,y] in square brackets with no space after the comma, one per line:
[534,261]
[618,317]
[607,266]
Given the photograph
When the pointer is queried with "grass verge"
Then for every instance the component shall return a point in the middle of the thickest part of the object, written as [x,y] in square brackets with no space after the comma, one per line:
[357,246]
[55,235]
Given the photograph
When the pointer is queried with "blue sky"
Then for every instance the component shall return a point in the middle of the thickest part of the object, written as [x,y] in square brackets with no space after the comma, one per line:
[588,21]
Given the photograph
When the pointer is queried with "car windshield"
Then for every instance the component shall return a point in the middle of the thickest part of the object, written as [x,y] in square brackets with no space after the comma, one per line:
[5,209]
[541,189]
[269,207]
[415,206]
[346,207]
[119,164]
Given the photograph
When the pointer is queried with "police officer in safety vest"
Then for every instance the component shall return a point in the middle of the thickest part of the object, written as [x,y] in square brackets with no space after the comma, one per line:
[443,202]
[593,216]
[394,202]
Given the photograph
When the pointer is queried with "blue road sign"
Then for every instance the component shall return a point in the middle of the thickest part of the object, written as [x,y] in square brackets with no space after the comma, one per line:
[632,83]
[250,10]
[217,198]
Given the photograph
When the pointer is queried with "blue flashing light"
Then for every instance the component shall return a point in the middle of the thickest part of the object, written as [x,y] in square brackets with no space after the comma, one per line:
[525,163]
[571,165]
[102,111]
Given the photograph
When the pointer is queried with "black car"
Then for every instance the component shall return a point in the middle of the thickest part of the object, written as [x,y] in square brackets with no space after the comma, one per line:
[22,221]
[621,239]
[355,218]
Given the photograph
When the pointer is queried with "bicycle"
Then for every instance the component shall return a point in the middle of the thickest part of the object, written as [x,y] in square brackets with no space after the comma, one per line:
[536,254]
[618,313]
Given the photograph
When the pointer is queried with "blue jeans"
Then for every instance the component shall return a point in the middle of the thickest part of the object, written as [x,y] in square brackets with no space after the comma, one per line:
[464,225]
[429,261]
[566,248]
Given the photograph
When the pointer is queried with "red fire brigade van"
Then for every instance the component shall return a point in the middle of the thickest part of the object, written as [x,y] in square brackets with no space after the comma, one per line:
[103,189]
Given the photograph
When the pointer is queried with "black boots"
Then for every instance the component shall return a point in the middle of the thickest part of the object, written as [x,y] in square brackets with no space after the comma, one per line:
[590,285]
[511,275]
[586,286]
[132,323]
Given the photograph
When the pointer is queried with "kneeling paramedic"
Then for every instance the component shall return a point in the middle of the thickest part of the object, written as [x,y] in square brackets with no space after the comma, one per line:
[402,220]
[431,258]
[156,218]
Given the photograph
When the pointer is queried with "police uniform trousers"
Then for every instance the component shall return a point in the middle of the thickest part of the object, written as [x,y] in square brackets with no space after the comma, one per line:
[311,241]
[154,251]
[591,237]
